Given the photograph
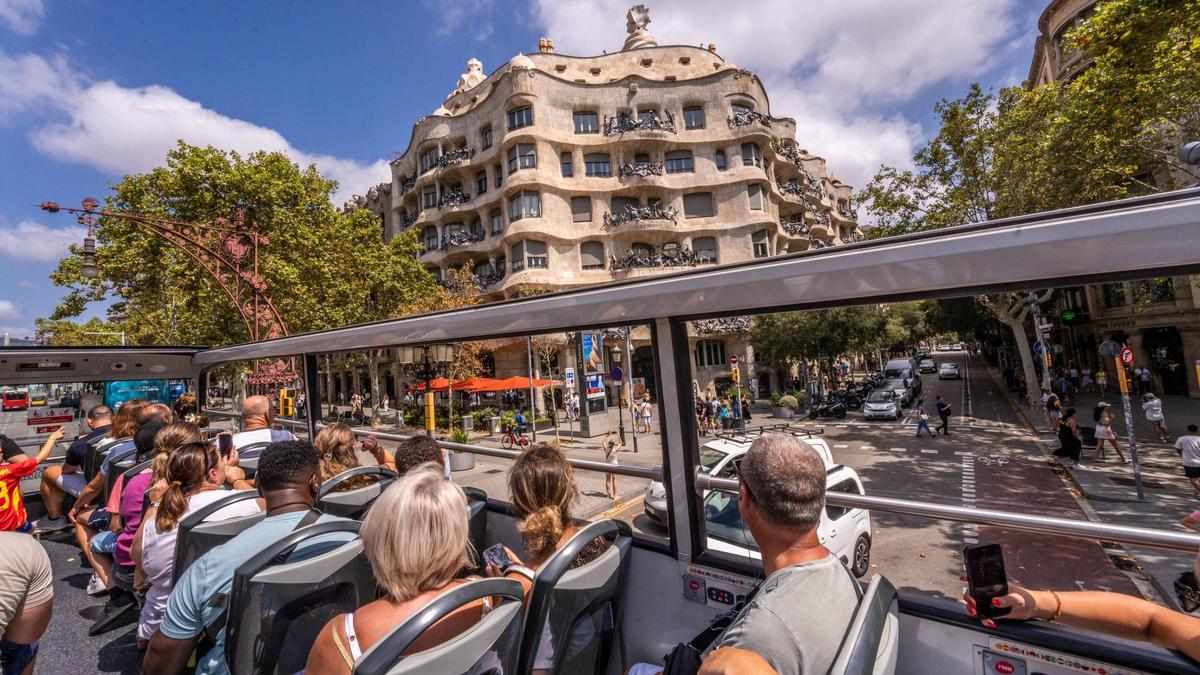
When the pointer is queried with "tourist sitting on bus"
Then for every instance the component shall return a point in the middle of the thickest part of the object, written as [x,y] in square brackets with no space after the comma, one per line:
[67,478]
[411,453]
[289,479]
[26,600]
[335,448]
[781,497]
[257,419]
[194,471]
[1103,612]
[12,513]
[416,538]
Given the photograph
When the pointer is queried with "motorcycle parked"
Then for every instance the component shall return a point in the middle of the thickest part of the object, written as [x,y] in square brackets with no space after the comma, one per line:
[830,406]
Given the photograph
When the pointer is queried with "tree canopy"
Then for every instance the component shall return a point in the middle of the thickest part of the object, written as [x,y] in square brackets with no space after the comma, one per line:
[323,268]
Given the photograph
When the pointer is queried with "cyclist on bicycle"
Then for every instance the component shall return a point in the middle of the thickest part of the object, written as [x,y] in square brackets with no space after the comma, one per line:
[521,422]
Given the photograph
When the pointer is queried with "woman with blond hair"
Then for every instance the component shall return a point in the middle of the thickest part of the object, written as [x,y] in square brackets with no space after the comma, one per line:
[416,539]
[335,449]
[192,471]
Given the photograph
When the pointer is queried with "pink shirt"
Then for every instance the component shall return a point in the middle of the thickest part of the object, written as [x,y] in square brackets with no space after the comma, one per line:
[131,514]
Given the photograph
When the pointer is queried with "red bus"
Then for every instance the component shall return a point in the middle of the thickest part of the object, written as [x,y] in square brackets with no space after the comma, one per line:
[16,399]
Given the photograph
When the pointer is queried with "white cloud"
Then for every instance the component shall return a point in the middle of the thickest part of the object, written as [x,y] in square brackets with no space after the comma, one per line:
[22,16]
[469,17]
[9,311]
[841,69]
[123,130]
[30,241]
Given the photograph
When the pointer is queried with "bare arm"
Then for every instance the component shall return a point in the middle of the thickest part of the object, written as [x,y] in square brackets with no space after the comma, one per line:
[48,446]
[168,655]
[90,492]
[1110,613]
[734,661]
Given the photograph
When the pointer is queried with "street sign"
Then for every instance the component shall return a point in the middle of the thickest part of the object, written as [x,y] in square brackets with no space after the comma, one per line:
[617,374]
[569,376]
[45,416]
[46,430]
[733,360]
[1109,348]
[1127,356]
[1067,315]
[1039,348]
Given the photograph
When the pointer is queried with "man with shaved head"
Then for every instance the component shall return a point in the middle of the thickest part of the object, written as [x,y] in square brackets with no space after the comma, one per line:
[256,424]
[154,412]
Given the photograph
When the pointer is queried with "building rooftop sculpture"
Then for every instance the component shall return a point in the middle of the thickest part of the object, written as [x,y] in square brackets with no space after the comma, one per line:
[635,22]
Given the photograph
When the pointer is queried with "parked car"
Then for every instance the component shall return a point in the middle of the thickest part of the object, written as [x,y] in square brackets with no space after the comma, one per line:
[38,398]
[716,459]
[927,366]
[882,404]
[948,371]
[846,532]
[903,390]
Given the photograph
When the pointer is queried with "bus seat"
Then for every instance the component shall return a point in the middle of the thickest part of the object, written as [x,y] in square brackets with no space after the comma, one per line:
[277,607]
[574,614]
[196,537]
[135,470]
[122,460]
[97,450]
[353,503]
[489,646]
[477,523]
[872,643]
[248,456]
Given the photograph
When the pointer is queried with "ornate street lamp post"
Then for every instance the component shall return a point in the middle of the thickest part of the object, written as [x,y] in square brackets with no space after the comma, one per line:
[227,251]
[433,361]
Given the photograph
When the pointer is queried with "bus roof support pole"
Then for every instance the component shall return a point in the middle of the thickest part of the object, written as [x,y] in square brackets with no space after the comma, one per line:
[312,394]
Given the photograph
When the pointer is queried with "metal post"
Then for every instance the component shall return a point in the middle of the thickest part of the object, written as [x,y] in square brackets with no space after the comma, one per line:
[620,415]
[312,393]
[430,406]
[532,400]
[629,382]
[1137,466]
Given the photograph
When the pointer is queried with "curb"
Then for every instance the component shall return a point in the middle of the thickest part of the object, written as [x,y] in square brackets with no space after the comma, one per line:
[1146,583]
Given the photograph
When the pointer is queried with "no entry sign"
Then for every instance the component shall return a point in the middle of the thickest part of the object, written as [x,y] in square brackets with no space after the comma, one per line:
[1127,356]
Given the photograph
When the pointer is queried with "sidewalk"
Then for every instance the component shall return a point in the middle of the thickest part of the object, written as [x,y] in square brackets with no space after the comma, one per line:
[1107,487]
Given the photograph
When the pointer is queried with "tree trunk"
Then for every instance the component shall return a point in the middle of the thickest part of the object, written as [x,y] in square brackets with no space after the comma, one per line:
[1017,326]
[373,356]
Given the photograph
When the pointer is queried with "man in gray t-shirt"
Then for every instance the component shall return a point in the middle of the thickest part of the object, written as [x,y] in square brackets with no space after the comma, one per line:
[800,613]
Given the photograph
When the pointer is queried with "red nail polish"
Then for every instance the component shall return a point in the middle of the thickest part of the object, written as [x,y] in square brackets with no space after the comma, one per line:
[995,602]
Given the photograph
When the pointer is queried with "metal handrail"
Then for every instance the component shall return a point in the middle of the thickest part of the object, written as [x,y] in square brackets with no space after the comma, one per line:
[1124,534]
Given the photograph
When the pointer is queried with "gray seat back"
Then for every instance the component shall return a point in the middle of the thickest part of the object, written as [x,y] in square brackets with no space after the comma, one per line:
[277,605]
[135,470]
[248,456]
[97,450]
[196,537]
[353,503]
[123,459]
[872,641]
[575,613]
[477,523]
[489,646]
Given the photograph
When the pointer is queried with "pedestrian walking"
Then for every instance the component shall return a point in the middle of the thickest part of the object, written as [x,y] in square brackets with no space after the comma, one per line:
[1054,412]
[1102,381]
[1188,448]
[1073,376]
[1085,379]
[943,411]
[1104,432]
[612,446]
[702,416]
[1154,415]
[646,413]
[745,408]
[1146,381]
[724,414]
[1070,439]
[923,419]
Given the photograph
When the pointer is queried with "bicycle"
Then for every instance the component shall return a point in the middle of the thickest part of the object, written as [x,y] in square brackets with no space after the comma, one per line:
[511,438]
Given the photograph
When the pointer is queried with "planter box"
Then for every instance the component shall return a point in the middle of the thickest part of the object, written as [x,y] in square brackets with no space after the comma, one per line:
[783,413]
[462,461]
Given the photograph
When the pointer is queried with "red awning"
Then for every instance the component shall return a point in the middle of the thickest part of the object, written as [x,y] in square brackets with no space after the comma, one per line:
[475,384]
[514,382]
[437,384]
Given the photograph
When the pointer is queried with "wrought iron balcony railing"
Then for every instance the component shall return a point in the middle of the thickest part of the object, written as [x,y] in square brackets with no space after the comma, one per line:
[796,228]
[681,256]
[817,243]
[853,238]
[642,169]
[407,220]
[626,123]
[407,183]
[456,156]
[638,213]
[453,198]
[489,279]
[461,238]
[791,187]
[725,324]
[741,119]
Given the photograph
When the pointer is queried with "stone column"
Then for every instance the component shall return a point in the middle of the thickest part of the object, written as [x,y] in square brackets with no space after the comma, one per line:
[1191,356]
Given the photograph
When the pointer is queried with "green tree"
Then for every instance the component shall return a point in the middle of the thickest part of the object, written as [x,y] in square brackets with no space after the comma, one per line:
[94,331]
[323,268]
[790,338]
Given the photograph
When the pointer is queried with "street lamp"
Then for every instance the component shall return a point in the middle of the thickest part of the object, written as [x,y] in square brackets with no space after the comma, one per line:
[432,362]
[616,358]
[88,268]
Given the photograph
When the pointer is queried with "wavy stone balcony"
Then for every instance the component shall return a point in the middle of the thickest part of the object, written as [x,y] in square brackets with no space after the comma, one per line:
[795,227]
[622,124]
[461,238]
[456,157]
[640,169]
[854,238]
[630,214]
[407,183]
[724,325]
[819,232]
[453,198]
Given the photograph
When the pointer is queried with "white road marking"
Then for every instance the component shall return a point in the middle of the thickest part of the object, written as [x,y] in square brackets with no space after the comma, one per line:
[963,453]
[898,449]
[969,530]
[841,445]
[929,452]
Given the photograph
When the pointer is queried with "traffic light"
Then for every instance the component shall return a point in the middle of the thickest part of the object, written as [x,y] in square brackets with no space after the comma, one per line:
[287,403]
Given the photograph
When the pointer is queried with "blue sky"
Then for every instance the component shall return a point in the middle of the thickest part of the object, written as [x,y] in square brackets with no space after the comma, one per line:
[91,90]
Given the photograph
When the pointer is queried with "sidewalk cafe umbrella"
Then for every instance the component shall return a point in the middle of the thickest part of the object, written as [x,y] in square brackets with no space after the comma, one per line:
[436,384]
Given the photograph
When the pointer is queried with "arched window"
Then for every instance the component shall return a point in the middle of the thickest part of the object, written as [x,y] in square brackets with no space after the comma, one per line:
[642,249]
[520,117]
[597,164]
[591,255]
[762,245]
[680,161]
[430,236]
[709,353]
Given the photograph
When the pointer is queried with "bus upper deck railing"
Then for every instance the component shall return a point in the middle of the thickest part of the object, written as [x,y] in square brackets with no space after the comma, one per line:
[1123,534]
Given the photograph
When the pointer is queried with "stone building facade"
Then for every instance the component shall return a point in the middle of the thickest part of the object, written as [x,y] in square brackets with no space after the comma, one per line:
[1158,318]
[557,172]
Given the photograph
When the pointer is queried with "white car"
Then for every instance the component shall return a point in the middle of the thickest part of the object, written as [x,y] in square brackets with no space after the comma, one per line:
[949,371]
[882,404]
[846,532]
[943,348]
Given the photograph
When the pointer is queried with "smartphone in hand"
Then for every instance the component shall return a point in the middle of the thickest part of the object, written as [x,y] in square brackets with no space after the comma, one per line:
[496,555]
[986,578]
[225,443]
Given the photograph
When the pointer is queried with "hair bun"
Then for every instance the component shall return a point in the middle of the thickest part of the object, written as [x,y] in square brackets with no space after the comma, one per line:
[542,529]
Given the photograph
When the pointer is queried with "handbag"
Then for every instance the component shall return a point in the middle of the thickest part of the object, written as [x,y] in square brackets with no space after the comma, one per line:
[685,658]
